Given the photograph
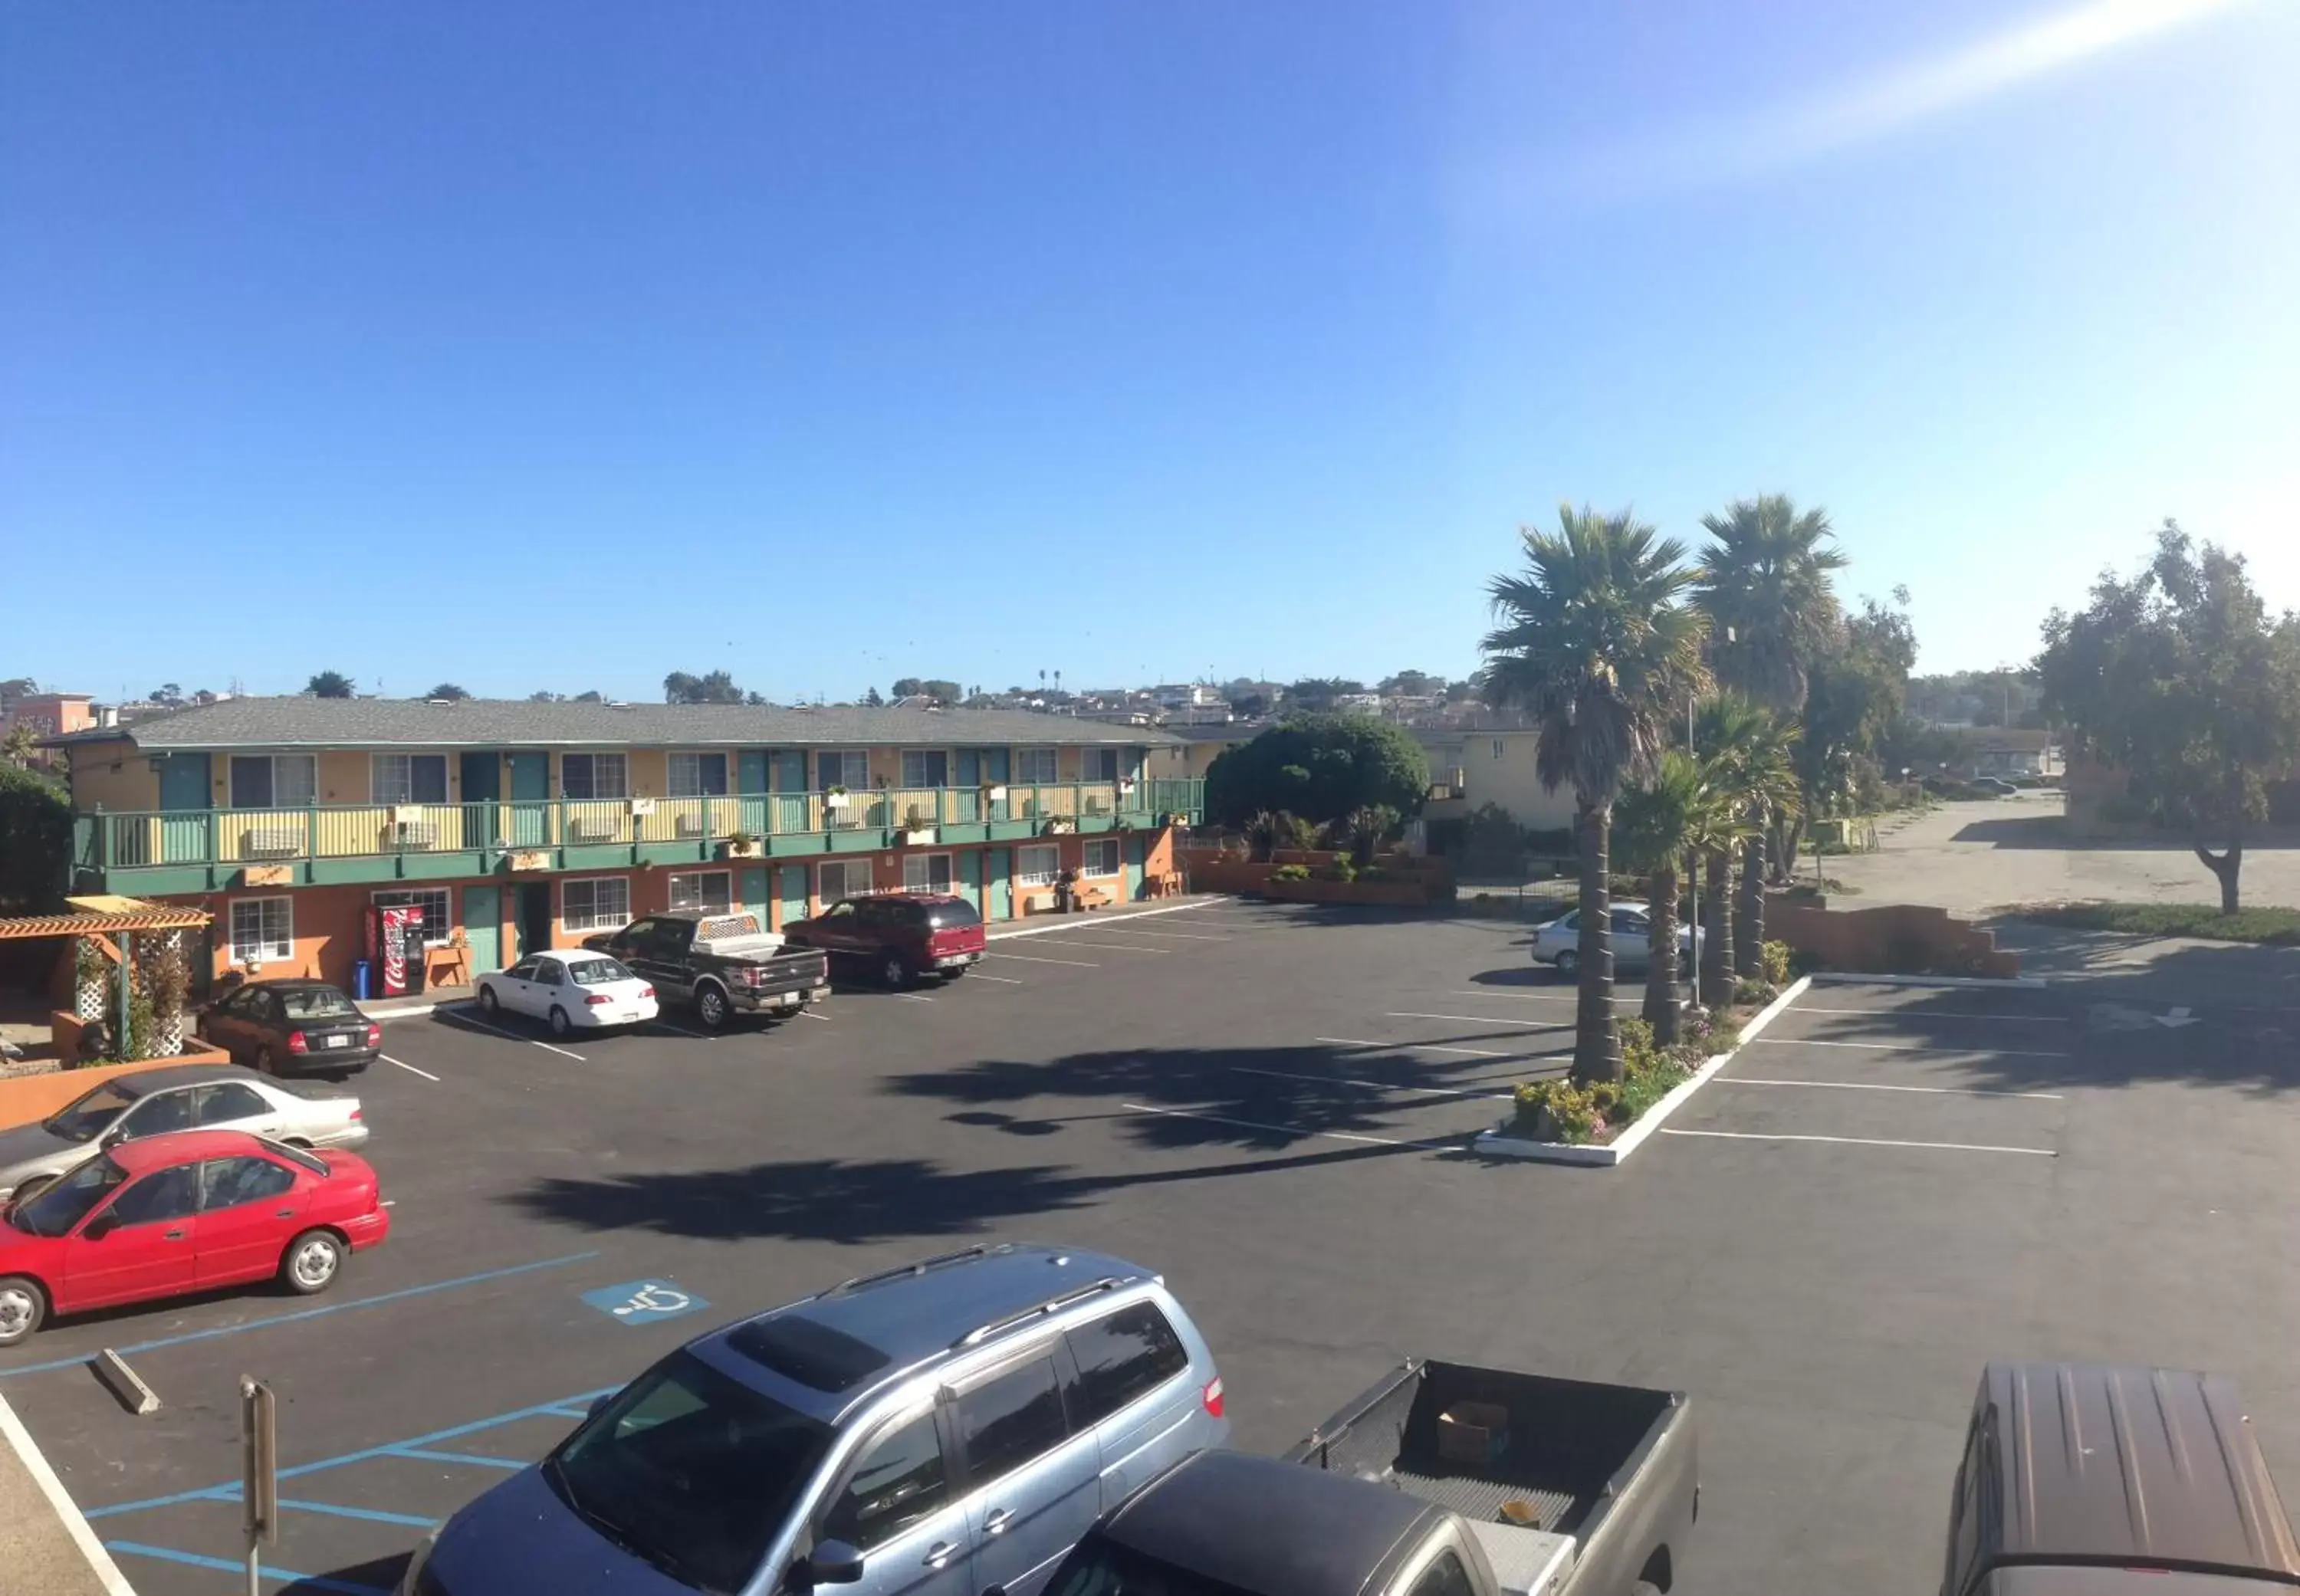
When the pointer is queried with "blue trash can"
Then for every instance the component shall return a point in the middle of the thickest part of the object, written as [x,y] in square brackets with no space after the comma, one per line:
[361,979]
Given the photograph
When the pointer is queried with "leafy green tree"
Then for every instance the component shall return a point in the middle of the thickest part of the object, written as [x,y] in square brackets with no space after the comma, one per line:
[1657,824]
[1319,767]
[1853,712]
[1414,683]
[2180,677]
[716,687]
[906,686]
[1315,695]
[448,690]
[1765,588]
[1594,646]
[871,700]
[329,684]
[36,842]
[593,696]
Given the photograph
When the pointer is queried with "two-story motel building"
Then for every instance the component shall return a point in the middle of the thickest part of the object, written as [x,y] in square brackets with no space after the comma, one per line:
[523,826]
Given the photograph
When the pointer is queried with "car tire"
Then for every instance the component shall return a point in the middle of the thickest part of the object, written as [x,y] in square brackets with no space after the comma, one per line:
[1569,965]
[955,971]
[23,1307]
[711,1007]
[560,1024]
[311,1262]
[263,1060]
[895,971]
[490,1004]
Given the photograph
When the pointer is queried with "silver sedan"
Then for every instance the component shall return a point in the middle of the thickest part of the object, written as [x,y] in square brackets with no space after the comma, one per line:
[1559,943]
[174,1097]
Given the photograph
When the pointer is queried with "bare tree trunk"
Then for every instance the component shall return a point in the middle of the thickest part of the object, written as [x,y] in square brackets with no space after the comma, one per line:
[2225,868]
[1660,963]
[1717,928]
[1787,837]
[1596,1045]
[1749,915]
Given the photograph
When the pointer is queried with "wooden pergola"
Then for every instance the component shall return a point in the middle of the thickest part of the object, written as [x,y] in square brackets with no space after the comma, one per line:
[109,922]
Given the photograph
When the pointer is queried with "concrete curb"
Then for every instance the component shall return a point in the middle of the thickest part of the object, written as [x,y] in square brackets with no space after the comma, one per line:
[112,1373]
[103,1571]
[1851,978]
[1499,1144]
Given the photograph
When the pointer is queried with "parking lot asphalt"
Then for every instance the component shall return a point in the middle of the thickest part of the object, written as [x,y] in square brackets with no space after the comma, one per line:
[1269,1105]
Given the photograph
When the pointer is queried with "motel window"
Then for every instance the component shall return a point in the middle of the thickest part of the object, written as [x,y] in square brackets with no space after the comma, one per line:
[926,873]
[600,904]
[845,879]
[407,778]
[698,775]
[1101,857]
[848,767]
[1035,765]
[262,930]
[433,902]
[704,892]
[273,780]
[588,776]
[926,768]
[1097,764]
[1038,865]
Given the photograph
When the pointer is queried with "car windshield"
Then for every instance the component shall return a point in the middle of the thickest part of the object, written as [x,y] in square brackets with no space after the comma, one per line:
[690,1470]
[55,1210]
[599,972]
[316,1003]
[1101,1567]
[84,1119]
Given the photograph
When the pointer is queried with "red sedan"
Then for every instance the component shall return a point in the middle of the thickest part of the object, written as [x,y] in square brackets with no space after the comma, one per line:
[177,1214]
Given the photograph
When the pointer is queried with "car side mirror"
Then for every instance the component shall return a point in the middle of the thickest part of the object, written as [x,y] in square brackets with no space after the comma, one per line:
[112,1138]
[599,1405]
[101,1226]
[830,1563]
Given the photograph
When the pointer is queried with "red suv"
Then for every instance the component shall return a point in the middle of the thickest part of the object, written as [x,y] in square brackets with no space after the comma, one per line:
[900,936]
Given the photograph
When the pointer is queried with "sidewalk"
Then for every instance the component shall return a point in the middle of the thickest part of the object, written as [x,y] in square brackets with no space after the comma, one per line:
[45,1544]
[1037,924]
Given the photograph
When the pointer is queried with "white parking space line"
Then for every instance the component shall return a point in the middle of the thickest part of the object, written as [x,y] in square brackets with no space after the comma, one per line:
[664,1024]
[1346,1080]
[811,1014]
[515,1036]
[1285,1130]
[1002,980]
[1751,1080]
[1183,936]
[1476,1019]
[410,1068]
[1896,1013]
[1122,947]
[1567,996]
[1032,959]
[2041,1152]
[912,997]
[1422,1047]
[1908,1047]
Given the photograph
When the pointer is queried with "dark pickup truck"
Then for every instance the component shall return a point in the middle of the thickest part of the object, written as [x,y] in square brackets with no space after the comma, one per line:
[1443,1480]
[719,964]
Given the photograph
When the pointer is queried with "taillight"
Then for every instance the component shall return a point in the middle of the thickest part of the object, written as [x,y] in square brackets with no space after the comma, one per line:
[374,1035]
[358,1114]
[646,991]
[295,1042]
[597,999]
[1211,1396]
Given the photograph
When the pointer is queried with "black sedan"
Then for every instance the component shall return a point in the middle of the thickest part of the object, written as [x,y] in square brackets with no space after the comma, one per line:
[292,1027]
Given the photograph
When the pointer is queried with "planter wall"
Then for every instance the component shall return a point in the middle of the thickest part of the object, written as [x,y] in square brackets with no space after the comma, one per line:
[1905,939]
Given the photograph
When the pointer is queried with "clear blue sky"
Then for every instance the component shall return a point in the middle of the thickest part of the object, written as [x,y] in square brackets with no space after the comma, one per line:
[539,345]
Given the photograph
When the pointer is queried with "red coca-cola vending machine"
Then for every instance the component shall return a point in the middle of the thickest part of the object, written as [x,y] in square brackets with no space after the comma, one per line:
[395,948]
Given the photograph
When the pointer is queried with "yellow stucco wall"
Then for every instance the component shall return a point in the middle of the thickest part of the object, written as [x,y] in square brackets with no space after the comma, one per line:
[1498,767]
[112,773]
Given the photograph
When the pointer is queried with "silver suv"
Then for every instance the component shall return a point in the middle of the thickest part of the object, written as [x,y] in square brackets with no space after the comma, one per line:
[944,1429]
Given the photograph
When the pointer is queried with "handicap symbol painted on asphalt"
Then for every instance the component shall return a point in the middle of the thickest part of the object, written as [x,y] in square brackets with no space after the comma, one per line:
[638,1299]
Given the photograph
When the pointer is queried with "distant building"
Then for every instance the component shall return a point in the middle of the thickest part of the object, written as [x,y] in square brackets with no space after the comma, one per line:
[49,715]
[1493,765]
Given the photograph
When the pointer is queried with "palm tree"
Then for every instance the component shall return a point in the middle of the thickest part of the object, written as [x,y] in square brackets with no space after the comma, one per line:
[17,747]
[1594,645]
[1656,824]
[1768,782]
[1765,588]
[1729,726]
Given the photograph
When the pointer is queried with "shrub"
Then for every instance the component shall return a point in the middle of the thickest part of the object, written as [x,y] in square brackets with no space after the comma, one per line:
[1754,991]
[1290,872]
[1776,957]
[1559,1111]
[1342,869]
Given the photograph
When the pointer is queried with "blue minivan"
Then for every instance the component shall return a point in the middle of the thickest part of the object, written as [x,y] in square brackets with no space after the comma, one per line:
[948,1428]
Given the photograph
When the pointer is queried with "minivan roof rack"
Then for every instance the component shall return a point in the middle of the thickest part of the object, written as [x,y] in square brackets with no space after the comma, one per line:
[940,1260]
[982,1333]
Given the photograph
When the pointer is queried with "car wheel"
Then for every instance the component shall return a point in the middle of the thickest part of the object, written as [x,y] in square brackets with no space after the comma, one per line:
[955,971]
[711,1007]
[311,1262]
[489,1003]
[1568,964]
[263,1060]
[22,1306]
[560,1024]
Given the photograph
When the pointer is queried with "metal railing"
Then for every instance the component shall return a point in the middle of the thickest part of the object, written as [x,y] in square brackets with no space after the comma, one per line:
[265,837]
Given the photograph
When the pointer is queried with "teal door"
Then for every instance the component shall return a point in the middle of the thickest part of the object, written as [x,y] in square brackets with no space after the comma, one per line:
[483,927]
[1133,868]
[994,764]
[183,790]
[754,883]
[792,896]
[790,795]
[530,799]
[751,784]
[970,877]
[998,896]
[480,778]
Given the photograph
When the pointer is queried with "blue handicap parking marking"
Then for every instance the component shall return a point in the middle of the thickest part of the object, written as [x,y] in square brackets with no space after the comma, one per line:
[639,1300]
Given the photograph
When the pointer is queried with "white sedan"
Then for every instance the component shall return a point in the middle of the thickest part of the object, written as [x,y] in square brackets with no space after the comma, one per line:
[1559,943]
[575,990]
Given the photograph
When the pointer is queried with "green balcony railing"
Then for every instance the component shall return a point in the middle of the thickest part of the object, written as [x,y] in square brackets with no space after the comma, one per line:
[236,837]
